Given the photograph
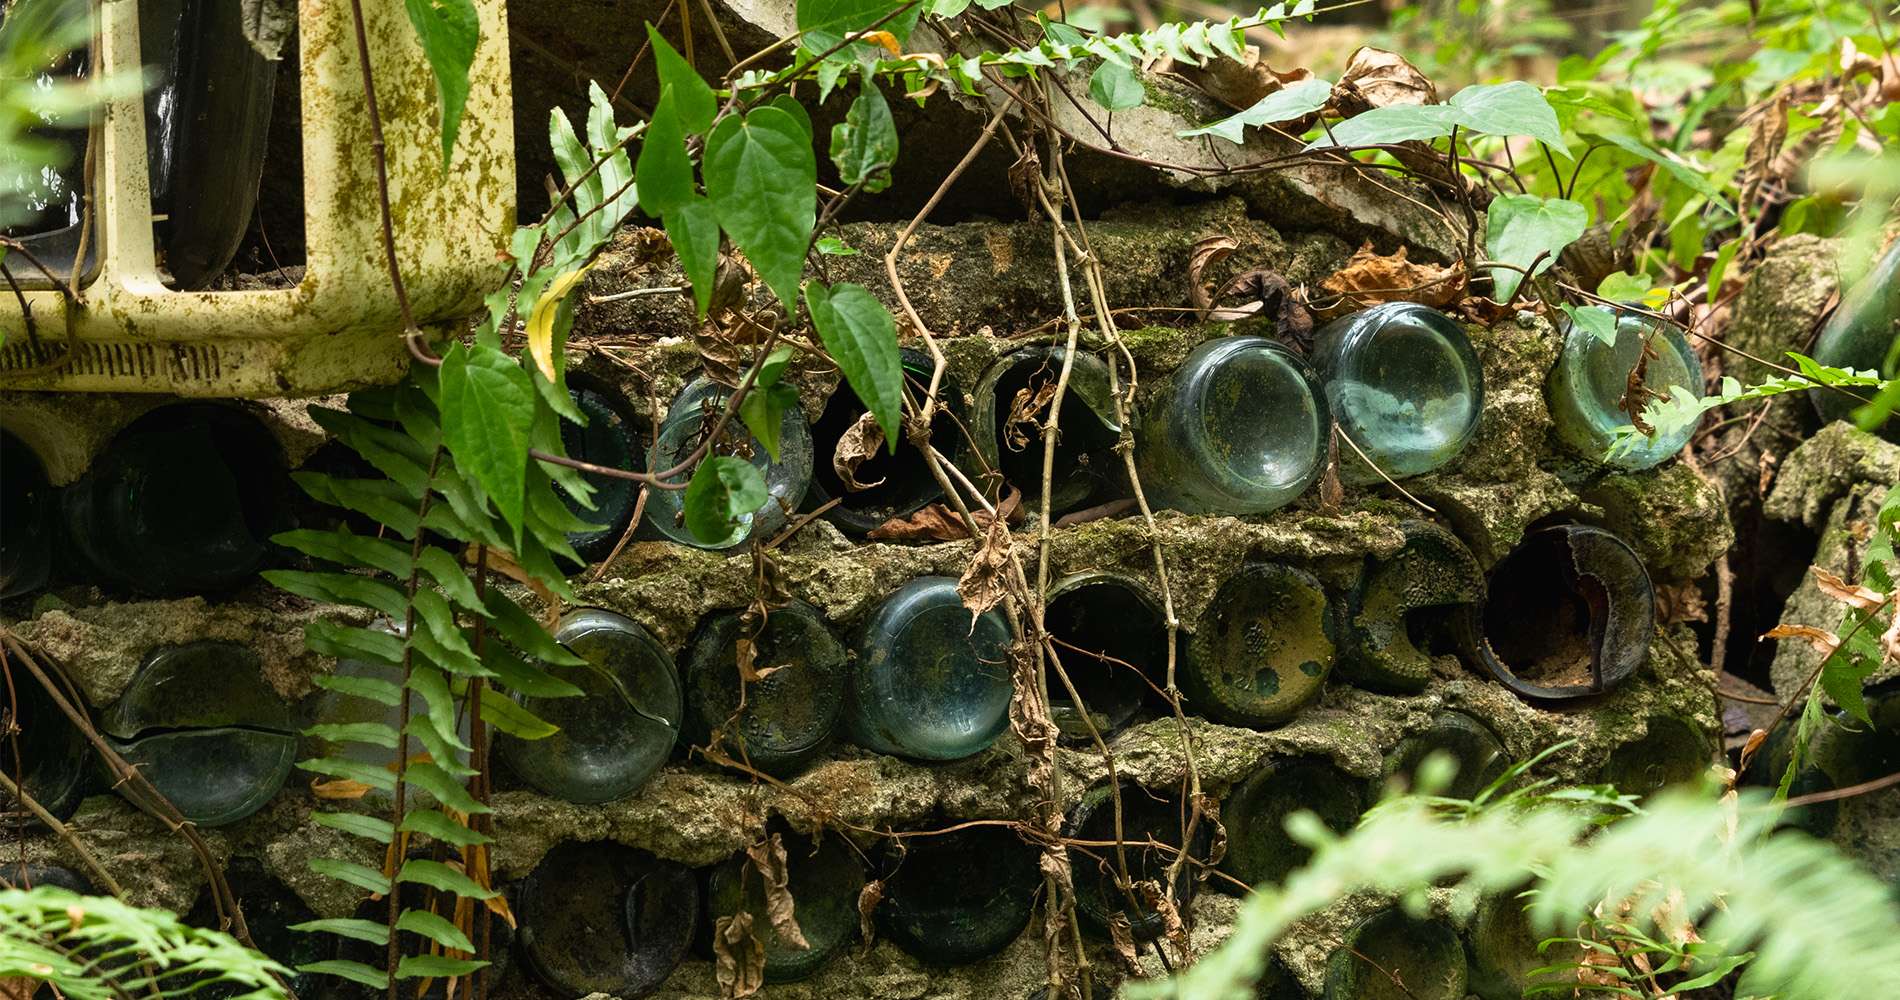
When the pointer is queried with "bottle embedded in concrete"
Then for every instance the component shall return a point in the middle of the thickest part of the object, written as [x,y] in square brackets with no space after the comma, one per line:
[958,897]
[271,910]
[15,875]
[611,438]
[824,884]
[600,917]
[27,524]
[183,500]
[693,413]
[1262,649]
[1409,609]
[1241,429]
[615,735]
[1393,956]
[1478,753]
[48,755]
[1404,384]
[1504,955]
[1112,638]
[896,484]
[1147,815]
[1588,386]
[1012,404]
[788,718]
[1567,614]
[1670,753]
[929,683]
[1259,851]
[1863,335]
[205,728]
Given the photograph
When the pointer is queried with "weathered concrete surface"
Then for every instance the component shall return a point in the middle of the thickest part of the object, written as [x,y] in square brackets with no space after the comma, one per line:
[1834,485]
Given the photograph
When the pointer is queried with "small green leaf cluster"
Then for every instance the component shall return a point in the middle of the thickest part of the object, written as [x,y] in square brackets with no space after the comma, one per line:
[756,185]
[460,649]
[1685,409]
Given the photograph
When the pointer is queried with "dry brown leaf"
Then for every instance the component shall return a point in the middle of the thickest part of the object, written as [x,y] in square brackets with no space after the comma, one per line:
[1370,278]
[1850,594]
[885,39]
[868,898]
[1273,296]
[1752,746]
[1025,411]
[1241,83]
[1208,250]
[768,858]
[1163,906]
[1332,493]
[1121,938]
[1854,62]
[1823,641]
[1375,78]
[340,788]
[939,523]
[1890,639]
[738,956]
[982,585]
[858,443]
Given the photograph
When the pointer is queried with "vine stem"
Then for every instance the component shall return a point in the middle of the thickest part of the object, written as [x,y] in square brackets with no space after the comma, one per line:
[379,154]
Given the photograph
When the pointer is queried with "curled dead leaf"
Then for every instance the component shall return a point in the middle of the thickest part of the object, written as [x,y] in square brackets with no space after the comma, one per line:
[1752,746]
[768,858]
[1853,595]
[1243,82]
[938,523]
[1121,938]
[1823,641]
[1681,602]
[1025,410]
[1370,278]
[868,898]
[340,788]
[1273,296]
[502,561]
[1208,250]
[1375,78]
[982,584]
[738,956]
[858,443]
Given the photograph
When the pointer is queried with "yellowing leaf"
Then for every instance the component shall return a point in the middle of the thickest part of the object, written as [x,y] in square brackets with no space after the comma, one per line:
[541,320]
[885,39]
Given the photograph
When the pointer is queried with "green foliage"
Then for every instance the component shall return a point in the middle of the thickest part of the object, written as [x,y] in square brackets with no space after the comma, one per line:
[34,36]
[824,23]
[493,402]
[100,948]
[1295,101]
[1817,926]
[1685,409]
[761,176]
[1506,109]
[1529,232]
[763,409]
[723,490]
[858,334]
[1116,87]
[449,31]
[864,145]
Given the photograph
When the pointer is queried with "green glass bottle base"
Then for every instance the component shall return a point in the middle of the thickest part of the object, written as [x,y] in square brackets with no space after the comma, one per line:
[1262,649]
[1477,752]
[1672,752]
[824,887]
[1391,956]
[1259,850]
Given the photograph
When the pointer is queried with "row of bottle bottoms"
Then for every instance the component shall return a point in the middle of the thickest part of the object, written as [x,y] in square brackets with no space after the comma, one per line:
[924,679]
[179,502]
[604,917]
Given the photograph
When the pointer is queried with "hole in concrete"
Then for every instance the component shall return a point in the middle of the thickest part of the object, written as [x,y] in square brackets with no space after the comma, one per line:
[1112,640]
[902,480]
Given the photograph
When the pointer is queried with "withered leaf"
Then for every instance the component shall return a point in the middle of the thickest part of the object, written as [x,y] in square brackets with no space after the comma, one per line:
[768,858]
[502,561]
[982,584]
[1332,493]
[1682,602]
[1244,82]
[1853,595]
[1163,906]
[939,523]
[340,788]
[1370,277]
[858,443]
[1207,251]
[1375,78]
[738,956]
[868,898]
[1121,938]
[1274,296]
[1823,641]
[1025,411]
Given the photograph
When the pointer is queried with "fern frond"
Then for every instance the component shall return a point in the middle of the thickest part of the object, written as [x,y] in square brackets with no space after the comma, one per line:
[56,936]
[1684,409]
[1820,927]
